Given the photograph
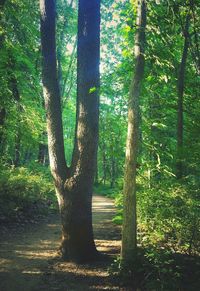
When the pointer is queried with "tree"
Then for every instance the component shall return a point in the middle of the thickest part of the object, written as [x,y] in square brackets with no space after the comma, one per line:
[2,110]
[74,183]
[129,230]
[180,92]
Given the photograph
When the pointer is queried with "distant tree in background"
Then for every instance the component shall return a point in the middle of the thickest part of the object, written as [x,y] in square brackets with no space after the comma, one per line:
[180,93]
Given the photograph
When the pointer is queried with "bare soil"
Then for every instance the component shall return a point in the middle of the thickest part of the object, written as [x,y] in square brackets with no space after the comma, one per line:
[29,258]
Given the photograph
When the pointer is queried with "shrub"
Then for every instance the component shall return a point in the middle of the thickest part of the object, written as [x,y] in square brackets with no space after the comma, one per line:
[22,191]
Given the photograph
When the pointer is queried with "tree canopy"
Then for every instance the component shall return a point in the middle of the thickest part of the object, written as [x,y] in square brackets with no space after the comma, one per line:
[78,78]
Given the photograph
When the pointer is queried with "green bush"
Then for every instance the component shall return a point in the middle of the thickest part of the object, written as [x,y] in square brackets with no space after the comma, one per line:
[167,213]
[23,191]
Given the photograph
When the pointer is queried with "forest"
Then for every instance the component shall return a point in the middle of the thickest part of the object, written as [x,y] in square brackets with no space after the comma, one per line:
[99,108]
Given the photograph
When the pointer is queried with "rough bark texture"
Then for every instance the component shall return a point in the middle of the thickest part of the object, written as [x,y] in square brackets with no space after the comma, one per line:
[129,231]
[51,93]
[180,91]
[74,184]
[79,186]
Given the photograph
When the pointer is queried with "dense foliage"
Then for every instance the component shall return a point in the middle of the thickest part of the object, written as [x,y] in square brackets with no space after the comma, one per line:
[168,207]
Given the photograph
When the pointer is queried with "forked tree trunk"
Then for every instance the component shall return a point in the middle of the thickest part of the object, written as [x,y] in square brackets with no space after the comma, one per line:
[74,184]
[129,230]
[180,91]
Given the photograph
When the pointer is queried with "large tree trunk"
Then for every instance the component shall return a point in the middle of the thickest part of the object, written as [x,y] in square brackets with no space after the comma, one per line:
[74,184]
[129,230]
[180,91]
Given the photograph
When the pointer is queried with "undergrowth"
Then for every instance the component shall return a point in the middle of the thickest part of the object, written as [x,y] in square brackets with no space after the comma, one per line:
[158,269]
[25,193]
[168,236]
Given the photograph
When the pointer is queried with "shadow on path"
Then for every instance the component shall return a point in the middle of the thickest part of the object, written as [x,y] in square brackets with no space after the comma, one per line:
[28,258]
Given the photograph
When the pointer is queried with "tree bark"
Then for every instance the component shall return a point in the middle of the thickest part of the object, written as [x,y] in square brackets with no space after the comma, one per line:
[104,163]
[129,230]
[2,122]
[16,97]
[42,150]
[180,92]
[74,184]
[2,109]
[113,172]
[2,3]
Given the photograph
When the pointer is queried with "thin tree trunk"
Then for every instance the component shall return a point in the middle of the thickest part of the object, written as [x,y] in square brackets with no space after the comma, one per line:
[96,180]
[16,97]
[42,151]
[104,164]
[2,122]
[16,161]
[74,185]
[180,92]
[59,51]
[112,182]
[2,3]
[2,110]
[129,230]
[69,69]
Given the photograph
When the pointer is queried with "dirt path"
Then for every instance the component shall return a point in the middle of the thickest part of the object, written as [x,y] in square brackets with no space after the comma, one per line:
[29,261]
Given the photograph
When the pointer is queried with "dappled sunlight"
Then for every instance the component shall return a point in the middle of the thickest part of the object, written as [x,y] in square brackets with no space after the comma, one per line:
[104,229]
[108,246]
[33,272]
[79,270]
[30,250]
[101,209]
[32,254]
[35,255]
[97,204]
[4,263]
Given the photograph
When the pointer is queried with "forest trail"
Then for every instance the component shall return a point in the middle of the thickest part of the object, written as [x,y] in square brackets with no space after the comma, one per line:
[29,260]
